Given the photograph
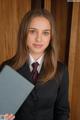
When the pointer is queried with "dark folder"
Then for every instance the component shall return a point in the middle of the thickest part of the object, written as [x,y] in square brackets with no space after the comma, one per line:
[14,89]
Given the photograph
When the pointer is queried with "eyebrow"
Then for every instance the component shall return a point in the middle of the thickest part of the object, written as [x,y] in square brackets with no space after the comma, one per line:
[37,29]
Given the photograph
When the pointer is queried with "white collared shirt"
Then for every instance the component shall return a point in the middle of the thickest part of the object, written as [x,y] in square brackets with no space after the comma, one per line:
[39,60]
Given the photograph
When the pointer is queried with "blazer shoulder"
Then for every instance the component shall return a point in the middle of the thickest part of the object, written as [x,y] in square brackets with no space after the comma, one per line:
[7,62]
[62,71]
[61,67]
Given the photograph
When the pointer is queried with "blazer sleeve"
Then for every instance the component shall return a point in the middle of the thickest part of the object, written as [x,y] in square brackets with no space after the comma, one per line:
[61,111]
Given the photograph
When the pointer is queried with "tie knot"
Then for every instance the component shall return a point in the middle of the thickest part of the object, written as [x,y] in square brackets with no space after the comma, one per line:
[35,65]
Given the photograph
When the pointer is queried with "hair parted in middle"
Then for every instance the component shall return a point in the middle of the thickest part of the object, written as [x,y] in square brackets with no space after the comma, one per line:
[51,53]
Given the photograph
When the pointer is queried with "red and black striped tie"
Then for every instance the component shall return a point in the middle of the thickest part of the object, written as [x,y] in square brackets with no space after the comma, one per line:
[34,72]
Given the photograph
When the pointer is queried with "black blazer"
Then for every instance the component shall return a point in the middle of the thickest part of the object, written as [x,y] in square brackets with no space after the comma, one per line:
[48,101]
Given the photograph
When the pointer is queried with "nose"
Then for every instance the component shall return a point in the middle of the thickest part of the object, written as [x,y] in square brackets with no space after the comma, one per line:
[39,37]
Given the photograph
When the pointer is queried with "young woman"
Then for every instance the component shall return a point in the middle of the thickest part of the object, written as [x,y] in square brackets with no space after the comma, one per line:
[37,42]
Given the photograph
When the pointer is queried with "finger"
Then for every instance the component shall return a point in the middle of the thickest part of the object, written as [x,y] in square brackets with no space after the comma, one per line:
[9,116]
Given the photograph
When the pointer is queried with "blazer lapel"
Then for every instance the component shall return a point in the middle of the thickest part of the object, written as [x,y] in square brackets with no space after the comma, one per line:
[25,71]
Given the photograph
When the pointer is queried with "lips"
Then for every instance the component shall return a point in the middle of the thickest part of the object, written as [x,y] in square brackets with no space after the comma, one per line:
[37,45]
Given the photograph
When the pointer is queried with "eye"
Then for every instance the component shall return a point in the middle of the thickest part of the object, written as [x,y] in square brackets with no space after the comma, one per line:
[32,31]
[46,33]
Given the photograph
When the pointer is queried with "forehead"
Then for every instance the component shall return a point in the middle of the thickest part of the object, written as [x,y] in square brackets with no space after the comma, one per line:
[40,22]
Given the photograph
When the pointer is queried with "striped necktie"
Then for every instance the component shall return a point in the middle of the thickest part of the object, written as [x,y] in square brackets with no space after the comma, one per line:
[34,72]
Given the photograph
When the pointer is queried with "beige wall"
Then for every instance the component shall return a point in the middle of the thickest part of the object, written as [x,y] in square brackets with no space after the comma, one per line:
[59,7]
[74,63]
[11,12]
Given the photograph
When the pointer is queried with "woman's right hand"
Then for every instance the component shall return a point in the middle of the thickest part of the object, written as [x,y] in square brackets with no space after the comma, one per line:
[9,117]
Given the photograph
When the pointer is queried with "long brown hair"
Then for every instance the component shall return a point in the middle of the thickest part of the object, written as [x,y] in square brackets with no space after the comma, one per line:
[51,53]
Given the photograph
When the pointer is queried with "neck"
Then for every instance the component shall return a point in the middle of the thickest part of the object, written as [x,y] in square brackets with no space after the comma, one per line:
[37,56]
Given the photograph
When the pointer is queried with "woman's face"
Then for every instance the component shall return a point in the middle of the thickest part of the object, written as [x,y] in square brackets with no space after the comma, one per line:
[38,36]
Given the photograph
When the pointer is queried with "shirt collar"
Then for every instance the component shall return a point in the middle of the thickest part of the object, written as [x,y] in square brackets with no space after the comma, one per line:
[39,60]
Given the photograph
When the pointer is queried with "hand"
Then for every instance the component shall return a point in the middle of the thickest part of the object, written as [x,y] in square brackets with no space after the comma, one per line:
[9,116]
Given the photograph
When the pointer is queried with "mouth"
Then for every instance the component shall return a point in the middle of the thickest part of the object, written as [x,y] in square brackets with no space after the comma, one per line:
[37,45]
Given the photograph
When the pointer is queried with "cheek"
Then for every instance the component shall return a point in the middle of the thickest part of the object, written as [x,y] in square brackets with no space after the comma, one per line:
[31,37]
[29,40]
[47,41]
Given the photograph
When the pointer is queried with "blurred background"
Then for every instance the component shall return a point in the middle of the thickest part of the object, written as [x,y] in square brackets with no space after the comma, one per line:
[67,16]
